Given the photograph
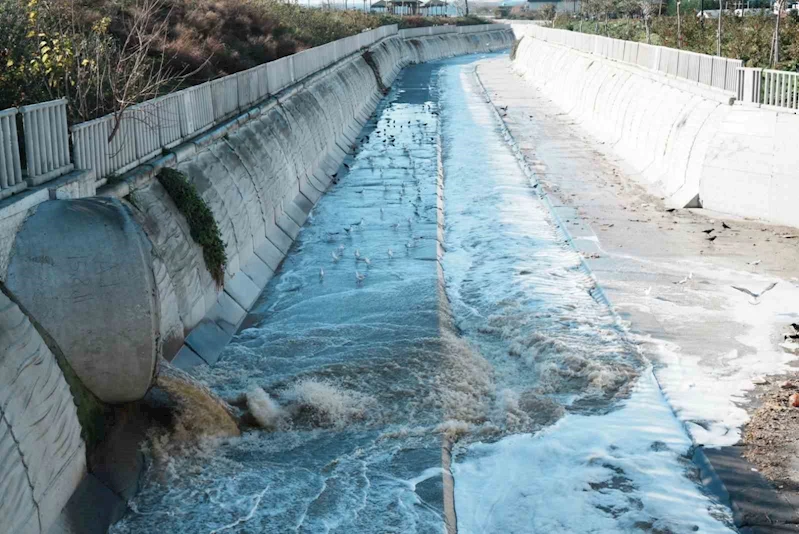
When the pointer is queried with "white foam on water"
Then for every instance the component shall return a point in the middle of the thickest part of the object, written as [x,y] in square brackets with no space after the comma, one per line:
[330,404]
[619,472]
[264,409]
[709,391]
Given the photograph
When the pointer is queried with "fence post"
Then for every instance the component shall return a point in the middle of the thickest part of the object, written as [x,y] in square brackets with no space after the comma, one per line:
[10,167]
[46,141]
[749,83]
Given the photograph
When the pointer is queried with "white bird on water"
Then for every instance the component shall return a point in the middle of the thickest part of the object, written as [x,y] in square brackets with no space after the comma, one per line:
[359,277]
[321,273]
[367,262]
[357,254]
[336,257]
[755,296]
[390,253]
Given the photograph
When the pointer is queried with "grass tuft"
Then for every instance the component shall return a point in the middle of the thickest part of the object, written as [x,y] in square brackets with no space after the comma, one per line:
[204,229]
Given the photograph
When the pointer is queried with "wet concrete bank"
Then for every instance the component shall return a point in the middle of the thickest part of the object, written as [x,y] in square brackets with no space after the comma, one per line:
[260,174]
[689,143]
[673,286]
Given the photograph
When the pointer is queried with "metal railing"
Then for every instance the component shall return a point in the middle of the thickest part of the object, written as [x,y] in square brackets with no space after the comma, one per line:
[703,69]
[116,143]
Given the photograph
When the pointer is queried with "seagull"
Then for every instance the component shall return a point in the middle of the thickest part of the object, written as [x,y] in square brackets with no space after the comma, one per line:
[755,296]
[357,253]
[336,257]
[684,280]
[647,291]
[409,244]
[359,277]
[367,262]
[321,273]
[390,253]
[756,262]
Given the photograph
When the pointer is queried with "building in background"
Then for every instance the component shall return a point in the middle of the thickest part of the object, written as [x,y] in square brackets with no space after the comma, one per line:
[378,7]
[435,8]
[561,6]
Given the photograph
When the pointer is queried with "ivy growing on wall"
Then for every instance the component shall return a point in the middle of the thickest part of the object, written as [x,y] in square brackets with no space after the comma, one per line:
[204,229]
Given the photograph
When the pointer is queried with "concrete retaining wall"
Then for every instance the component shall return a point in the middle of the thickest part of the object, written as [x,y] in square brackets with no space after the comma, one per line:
[42,456]
[685,142]
[118,281]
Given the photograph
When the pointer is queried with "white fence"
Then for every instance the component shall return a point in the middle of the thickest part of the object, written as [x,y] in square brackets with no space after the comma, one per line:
[116,143]
[438,30]
[766,87]
[46,141]
[10,169]
[703,69]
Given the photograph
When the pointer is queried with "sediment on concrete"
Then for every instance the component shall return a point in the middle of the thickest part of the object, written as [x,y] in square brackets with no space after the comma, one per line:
[119,282]
[689,144]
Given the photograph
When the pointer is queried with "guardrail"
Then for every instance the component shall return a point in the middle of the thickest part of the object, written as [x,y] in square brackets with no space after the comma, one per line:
[703,69]
[439,30]
[116,143]
[46,142]
[767,87]
[10,169]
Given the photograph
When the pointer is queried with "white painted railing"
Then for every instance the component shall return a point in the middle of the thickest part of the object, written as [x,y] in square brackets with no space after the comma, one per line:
[712,71]
[780,89]
[440,30]
[46,141]
[766,87]
[10,169]
[116,143]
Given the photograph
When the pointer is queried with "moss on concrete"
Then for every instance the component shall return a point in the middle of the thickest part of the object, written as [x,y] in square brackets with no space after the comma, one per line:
[204,229]
[370,60]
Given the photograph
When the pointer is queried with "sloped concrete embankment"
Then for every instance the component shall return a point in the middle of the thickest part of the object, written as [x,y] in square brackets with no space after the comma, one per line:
[685,142]
[116,281]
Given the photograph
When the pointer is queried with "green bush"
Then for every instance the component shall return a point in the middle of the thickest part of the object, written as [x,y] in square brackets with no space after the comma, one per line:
[204,229]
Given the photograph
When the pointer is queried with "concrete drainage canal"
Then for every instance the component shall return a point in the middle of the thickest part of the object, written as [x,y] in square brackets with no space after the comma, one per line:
[431,356]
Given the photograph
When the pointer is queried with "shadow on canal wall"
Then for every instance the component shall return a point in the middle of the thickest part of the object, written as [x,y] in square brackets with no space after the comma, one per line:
[116,283]
[691,144]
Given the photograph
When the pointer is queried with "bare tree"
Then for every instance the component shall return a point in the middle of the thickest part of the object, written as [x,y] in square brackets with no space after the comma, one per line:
[718,32]
[646,13]
[775,42]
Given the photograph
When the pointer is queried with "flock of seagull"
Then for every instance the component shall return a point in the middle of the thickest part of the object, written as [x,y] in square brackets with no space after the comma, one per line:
[387,135]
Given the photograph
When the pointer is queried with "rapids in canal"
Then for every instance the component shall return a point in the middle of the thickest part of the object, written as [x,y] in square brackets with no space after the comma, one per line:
[432,356]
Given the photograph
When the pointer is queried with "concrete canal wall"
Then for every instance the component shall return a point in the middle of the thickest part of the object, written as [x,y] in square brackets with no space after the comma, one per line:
[686,139]
[109,275]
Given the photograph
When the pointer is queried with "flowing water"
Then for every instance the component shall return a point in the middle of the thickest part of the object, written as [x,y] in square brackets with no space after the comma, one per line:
[453,331]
